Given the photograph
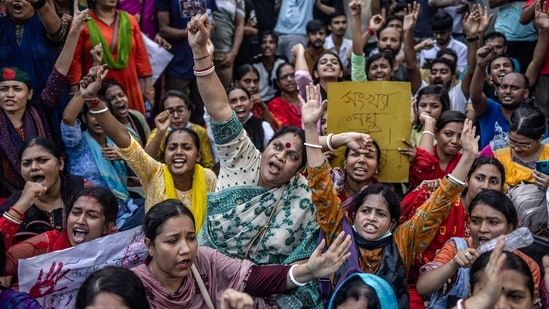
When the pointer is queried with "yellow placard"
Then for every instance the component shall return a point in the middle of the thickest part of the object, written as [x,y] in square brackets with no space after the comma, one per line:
[381,109]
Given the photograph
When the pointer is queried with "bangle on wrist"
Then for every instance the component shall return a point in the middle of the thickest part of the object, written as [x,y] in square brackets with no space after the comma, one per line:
[371,31]
[204,72]
[455,180]
[92,103]
[428,132]
[21,215]
[313,145]
[292,278]
[94,112]
[149,91]
[11,218]
[329,142]
[203,57]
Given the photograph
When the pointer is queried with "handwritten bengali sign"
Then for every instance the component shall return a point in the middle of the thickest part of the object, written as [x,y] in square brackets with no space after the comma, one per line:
[381,109]
[54,278]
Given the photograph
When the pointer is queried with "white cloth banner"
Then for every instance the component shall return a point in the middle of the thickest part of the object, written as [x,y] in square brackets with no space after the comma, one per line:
[158,56]
[54,278]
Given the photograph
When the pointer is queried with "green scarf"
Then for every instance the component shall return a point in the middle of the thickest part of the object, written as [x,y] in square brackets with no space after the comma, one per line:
[124,42]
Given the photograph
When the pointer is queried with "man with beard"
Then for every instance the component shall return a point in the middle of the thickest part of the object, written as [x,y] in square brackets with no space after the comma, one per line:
[512,92]
[442,31]
[390,41]
[316,35]
[336,41]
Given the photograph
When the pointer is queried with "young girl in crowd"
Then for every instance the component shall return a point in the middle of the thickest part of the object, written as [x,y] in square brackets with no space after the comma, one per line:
[259,131]
[113,92]
[285,107]
[383,247]
[247,77]
[434,101]
[181,274]
[91,215]
[435,162]
[179,107]
[492,214]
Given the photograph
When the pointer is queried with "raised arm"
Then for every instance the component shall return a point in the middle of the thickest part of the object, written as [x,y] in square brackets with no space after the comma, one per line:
[542,23]
[162,122]
[50,20]
[427,138]
[298,51]
[410,55]
[483,57]
[89,86]
[209,85]
[64,60]
[474,25]
[356,13]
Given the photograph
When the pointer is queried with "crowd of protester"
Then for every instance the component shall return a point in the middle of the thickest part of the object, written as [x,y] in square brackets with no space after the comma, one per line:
[224,159]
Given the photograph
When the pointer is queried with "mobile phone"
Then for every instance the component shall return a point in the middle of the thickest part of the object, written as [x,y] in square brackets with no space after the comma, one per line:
[543,166]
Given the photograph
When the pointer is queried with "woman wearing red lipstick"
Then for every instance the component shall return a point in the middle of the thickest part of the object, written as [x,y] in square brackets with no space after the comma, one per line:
[90,216]
[181,274]
[492,215]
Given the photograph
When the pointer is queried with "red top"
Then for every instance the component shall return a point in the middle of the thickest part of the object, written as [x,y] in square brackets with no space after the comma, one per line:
[138,62]
[427,166]
[285,112]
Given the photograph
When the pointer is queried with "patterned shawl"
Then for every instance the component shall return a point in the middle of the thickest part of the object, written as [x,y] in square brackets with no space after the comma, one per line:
[236,216]
[11,142]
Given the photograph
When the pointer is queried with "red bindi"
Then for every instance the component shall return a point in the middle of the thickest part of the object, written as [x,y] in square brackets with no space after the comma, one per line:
[288,145]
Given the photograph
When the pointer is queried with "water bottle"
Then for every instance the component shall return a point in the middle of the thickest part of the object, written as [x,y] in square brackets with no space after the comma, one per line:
[519,238]
[148,109]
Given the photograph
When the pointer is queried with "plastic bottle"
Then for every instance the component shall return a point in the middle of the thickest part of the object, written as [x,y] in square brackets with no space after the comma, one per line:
[519,238]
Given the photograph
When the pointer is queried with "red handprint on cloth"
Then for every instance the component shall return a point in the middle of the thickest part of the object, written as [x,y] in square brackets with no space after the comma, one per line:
[46,286]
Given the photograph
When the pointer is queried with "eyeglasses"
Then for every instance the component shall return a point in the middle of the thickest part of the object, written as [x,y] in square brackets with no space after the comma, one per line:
[518,145]
[285,76]
[180,110]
